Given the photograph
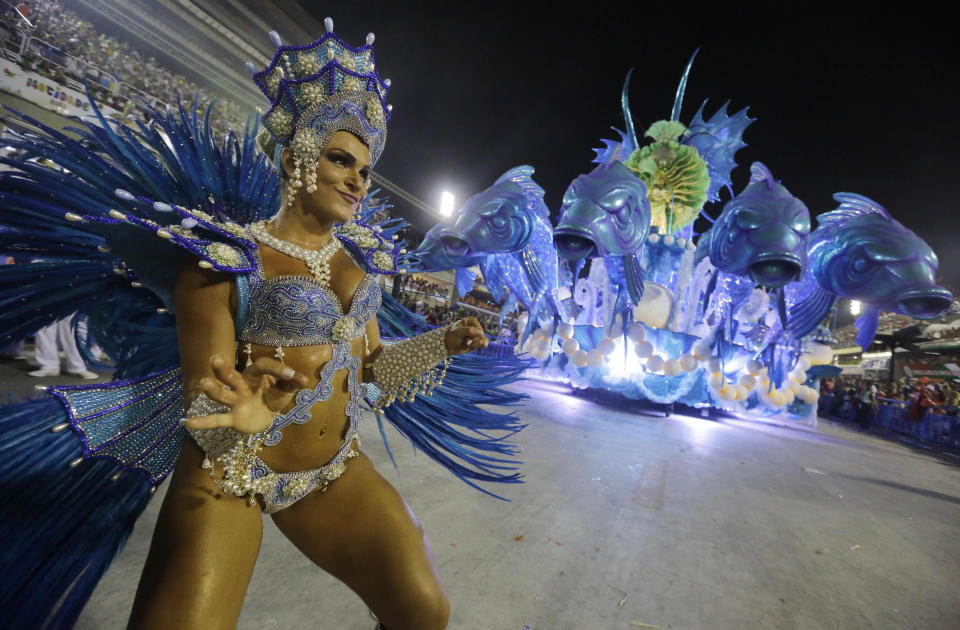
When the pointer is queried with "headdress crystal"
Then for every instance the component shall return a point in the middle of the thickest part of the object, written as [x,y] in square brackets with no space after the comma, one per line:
[318,89]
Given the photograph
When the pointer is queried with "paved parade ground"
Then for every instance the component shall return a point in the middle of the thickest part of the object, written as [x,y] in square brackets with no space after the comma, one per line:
[629,519]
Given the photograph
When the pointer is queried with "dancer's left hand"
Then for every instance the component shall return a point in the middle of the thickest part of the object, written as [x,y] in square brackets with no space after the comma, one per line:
[466,335]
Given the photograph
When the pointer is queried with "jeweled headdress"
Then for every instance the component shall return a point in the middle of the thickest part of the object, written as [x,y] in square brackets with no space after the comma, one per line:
[318,89]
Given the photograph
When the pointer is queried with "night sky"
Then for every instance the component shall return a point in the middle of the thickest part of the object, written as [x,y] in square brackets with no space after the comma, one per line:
[863,104]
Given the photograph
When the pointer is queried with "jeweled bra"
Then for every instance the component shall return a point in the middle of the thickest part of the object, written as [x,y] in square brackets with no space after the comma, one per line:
[299,311]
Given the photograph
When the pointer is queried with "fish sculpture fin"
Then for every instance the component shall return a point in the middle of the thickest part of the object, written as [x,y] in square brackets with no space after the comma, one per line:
[464,280]
[782,306]
[534,270]
[510,306]
[572,308]
[633,273]
[852,205]
[867,327]
[614,150]
[810,303]
[717,140]
[760,173]
[622,304]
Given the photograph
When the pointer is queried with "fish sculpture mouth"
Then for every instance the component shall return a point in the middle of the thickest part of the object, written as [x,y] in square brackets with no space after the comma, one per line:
[925,302]
[776,271]
[575,243]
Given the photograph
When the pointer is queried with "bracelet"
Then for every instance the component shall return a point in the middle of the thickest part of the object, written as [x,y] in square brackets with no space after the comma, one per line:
[234,451]
[408,367]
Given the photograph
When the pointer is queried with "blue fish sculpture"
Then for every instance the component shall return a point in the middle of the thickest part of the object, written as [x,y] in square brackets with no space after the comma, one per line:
[606,213]
[859,251]
[510,218]
[506,230]
[762,233]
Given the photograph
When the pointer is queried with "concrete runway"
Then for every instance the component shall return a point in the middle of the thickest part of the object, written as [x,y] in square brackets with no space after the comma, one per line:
[631,520]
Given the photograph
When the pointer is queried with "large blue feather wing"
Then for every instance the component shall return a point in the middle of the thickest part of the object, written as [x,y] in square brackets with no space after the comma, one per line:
[450,425]
[717,140]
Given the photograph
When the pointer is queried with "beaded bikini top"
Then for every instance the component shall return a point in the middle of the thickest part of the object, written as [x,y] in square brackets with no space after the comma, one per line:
[299,311]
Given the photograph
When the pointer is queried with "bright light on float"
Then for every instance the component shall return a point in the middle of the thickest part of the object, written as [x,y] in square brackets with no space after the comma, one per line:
[855,307]
[447,199]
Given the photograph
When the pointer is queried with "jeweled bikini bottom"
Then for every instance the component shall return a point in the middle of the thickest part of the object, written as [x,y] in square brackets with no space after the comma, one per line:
[286,488]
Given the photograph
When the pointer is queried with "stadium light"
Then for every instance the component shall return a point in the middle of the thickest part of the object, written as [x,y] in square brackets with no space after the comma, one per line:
[446,203]
[854,307]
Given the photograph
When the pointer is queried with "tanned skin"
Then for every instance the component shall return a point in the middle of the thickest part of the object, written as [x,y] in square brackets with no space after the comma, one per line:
[359,530]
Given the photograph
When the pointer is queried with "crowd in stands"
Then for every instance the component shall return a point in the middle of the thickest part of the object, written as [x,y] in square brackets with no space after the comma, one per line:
[440,314]
[480,300]
[918,395]
[71,48]
[419,284]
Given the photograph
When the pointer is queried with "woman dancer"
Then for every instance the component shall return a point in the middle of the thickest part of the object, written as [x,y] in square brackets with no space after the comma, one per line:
[279,345]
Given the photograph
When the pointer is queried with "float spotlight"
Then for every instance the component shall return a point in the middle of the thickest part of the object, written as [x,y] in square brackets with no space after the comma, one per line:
[855,307]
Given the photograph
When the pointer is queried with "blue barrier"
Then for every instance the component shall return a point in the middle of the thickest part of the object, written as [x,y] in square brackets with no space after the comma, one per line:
[892,415]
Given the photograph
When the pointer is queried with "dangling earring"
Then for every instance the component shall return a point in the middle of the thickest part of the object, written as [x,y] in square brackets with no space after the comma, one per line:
[306,153]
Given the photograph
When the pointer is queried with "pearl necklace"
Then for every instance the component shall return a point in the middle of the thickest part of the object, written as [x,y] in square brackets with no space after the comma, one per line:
[316,259]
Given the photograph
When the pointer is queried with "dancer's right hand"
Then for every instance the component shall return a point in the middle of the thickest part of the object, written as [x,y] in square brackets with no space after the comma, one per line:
[254,396]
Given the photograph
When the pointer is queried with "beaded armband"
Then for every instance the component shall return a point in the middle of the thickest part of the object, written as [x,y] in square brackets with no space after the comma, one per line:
[236,452]
[408,367]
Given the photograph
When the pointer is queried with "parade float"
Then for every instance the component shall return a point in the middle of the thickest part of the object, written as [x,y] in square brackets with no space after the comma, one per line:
[620,293]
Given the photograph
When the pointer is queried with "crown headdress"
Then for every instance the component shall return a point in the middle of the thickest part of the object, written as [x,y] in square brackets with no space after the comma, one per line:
[318,89]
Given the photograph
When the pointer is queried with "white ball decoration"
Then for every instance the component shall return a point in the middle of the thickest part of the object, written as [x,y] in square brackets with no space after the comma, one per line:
[797,376]
[643,349]
[754,367]
[740,393]
[716,380]
[788,395]
[793,386]
[579,358]
[777,399]
[606,346]
[672,367]
[804,362]
[539,354]
[595,358]
[821,354]
[636,332]
[541,343]
[565,330]
[701,351]
[814,396]
[688,363]
[655,363]
[726,393]
[570,346]
[668,239]
[540,332]
[748,382]
[714,364]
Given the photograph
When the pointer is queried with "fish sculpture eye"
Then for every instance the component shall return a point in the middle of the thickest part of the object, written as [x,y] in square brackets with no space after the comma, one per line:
[490,209]
[749,218]
[615,200]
